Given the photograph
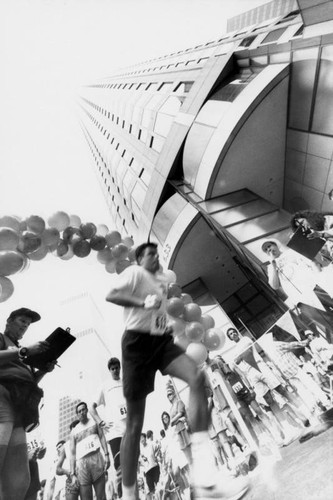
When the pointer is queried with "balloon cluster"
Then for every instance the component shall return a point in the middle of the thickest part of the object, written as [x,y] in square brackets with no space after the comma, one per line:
[63,235]
[193,331]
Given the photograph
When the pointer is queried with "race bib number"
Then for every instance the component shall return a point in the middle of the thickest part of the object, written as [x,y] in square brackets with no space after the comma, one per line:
[237,387]
[90,445]
[158,323]
[122,411]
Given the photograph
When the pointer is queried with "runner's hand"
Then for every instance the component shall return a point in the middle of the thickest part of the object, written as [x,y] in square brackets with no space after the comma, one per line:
[152,302]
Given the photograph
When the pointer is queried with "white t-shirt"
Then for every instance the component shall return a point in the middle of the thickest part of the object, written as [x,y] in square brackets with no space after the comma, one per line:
[298,277]
[115,408]
[137,281]
[148,456]
[86,438]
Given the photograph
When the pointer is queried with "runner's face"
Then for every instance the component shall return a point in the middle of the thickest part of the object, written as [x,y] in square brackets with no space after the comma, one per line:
[82,413]
[150,259]
[115,372]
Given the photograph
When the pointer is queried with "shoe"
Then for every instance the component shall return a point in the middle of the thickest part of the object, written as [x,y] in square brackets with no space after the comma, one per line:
[232,489]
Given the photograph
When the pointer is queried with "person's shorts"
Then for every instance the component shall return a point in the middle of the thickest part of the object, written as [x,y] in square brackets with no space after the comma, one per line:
[90,468]
[152,478]
[142,355]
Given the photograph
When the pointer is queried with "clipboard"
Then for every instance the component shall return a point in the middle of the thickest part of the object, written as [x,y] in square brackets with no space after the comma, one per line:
[60,340]
[303,245]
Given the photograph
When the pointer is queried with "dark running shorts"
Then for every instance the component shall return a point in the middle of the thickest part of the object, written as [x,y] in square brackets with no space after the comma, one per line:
[152,478]
[142,355]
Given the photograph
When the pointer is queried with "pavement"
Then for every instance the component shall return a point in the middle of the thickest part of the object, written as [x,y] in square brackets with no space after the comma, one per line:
[303,471]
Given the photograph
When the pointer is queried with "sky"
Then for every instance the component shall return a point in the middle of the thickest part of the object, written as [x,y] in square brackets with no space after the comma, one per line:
[48,49]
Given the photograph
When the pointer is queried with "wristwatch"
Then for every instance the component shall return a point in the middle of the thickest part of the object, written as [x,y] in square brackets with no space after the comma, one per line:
[23,353]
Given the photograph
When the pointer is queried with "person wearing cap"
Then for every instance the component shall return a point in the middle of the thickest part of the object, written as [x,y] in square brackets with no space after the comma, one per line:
[14,470]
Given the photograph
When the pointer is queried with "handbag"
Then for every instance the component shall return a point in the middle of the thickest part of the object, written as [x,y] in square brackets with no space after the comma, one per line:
[25,397]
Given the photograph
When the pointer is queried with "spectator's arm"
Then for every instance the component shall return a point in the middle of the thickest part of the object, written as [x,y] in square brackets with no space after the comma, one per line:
[273,276]
[59,468]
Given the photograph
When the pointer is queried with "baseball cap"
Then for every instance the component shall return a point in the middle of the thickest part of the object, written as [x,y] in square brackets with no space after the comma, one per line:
[24,311]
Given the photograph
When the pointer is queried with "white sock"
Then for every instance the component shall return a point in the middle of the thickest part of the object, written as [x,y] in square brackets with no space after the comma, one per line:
[203,463]
[128,492]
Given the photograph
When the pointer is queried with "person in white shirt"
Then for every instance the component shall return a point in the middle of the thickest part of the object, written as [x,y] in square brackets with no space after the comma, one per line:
[148,346]
[87,465]
[149,460]
[112,398]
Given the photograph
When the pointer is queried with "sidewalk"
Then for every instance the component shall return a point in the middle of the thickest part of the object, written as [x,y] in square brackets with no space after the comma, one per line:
[304,473]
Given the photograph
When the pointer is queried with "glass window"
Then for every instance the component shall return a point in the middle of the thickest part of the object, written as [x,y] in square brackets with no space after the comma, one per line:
[303,72]
[166,86]
[323,110]
[273,36]
[183,87]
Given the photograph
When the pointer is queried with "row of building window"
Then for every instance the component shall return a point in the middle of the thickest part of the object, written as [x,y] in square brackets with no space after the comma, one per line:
[272,36]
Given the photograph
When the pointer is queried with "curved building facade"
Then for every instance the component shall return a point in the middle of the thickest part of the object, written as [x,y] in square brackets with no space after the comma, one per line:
[209,150]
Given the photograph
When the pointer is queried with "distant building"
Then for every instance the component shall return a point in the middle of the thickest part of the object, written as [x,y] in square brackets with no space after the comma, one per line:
[66,415]
[209,150]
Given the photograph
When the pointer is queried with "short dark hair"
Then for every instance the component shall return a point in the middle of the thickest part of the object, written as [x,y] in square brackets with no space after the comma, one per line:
[141,248]
[150,434]
[113,362]
[143,434]
[80,404]
[42,483]
[231,329]
[60,442]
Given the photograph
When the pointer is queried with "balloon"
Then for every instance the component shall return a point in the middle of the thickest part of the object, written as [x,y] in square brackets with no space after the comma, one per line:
[128,241]
[187,299]
[8,238]
[175,307]
[102,230]
[97,242]
[192,312]
[7,288]
[104,256]
[131,255]
[74,221]
[120,251]
[51,236]
[60,220]
[62,248]
[81,248]
[88,230]
[29,242]
[10,221]
[170,276]
[197,352]
[35,224]
[113,238]
[207,321]
[177,325]
[110,266]
[181,341]
[194,331]
[69,232]
[40,253]
[121,265]
[23,226]
[174,290]
[11,262]
[213,339]
[69,254]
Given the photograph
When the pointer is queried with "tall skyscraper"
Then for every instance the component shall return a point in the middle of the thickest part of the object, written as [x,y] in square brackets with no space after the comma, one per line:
[210,149]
